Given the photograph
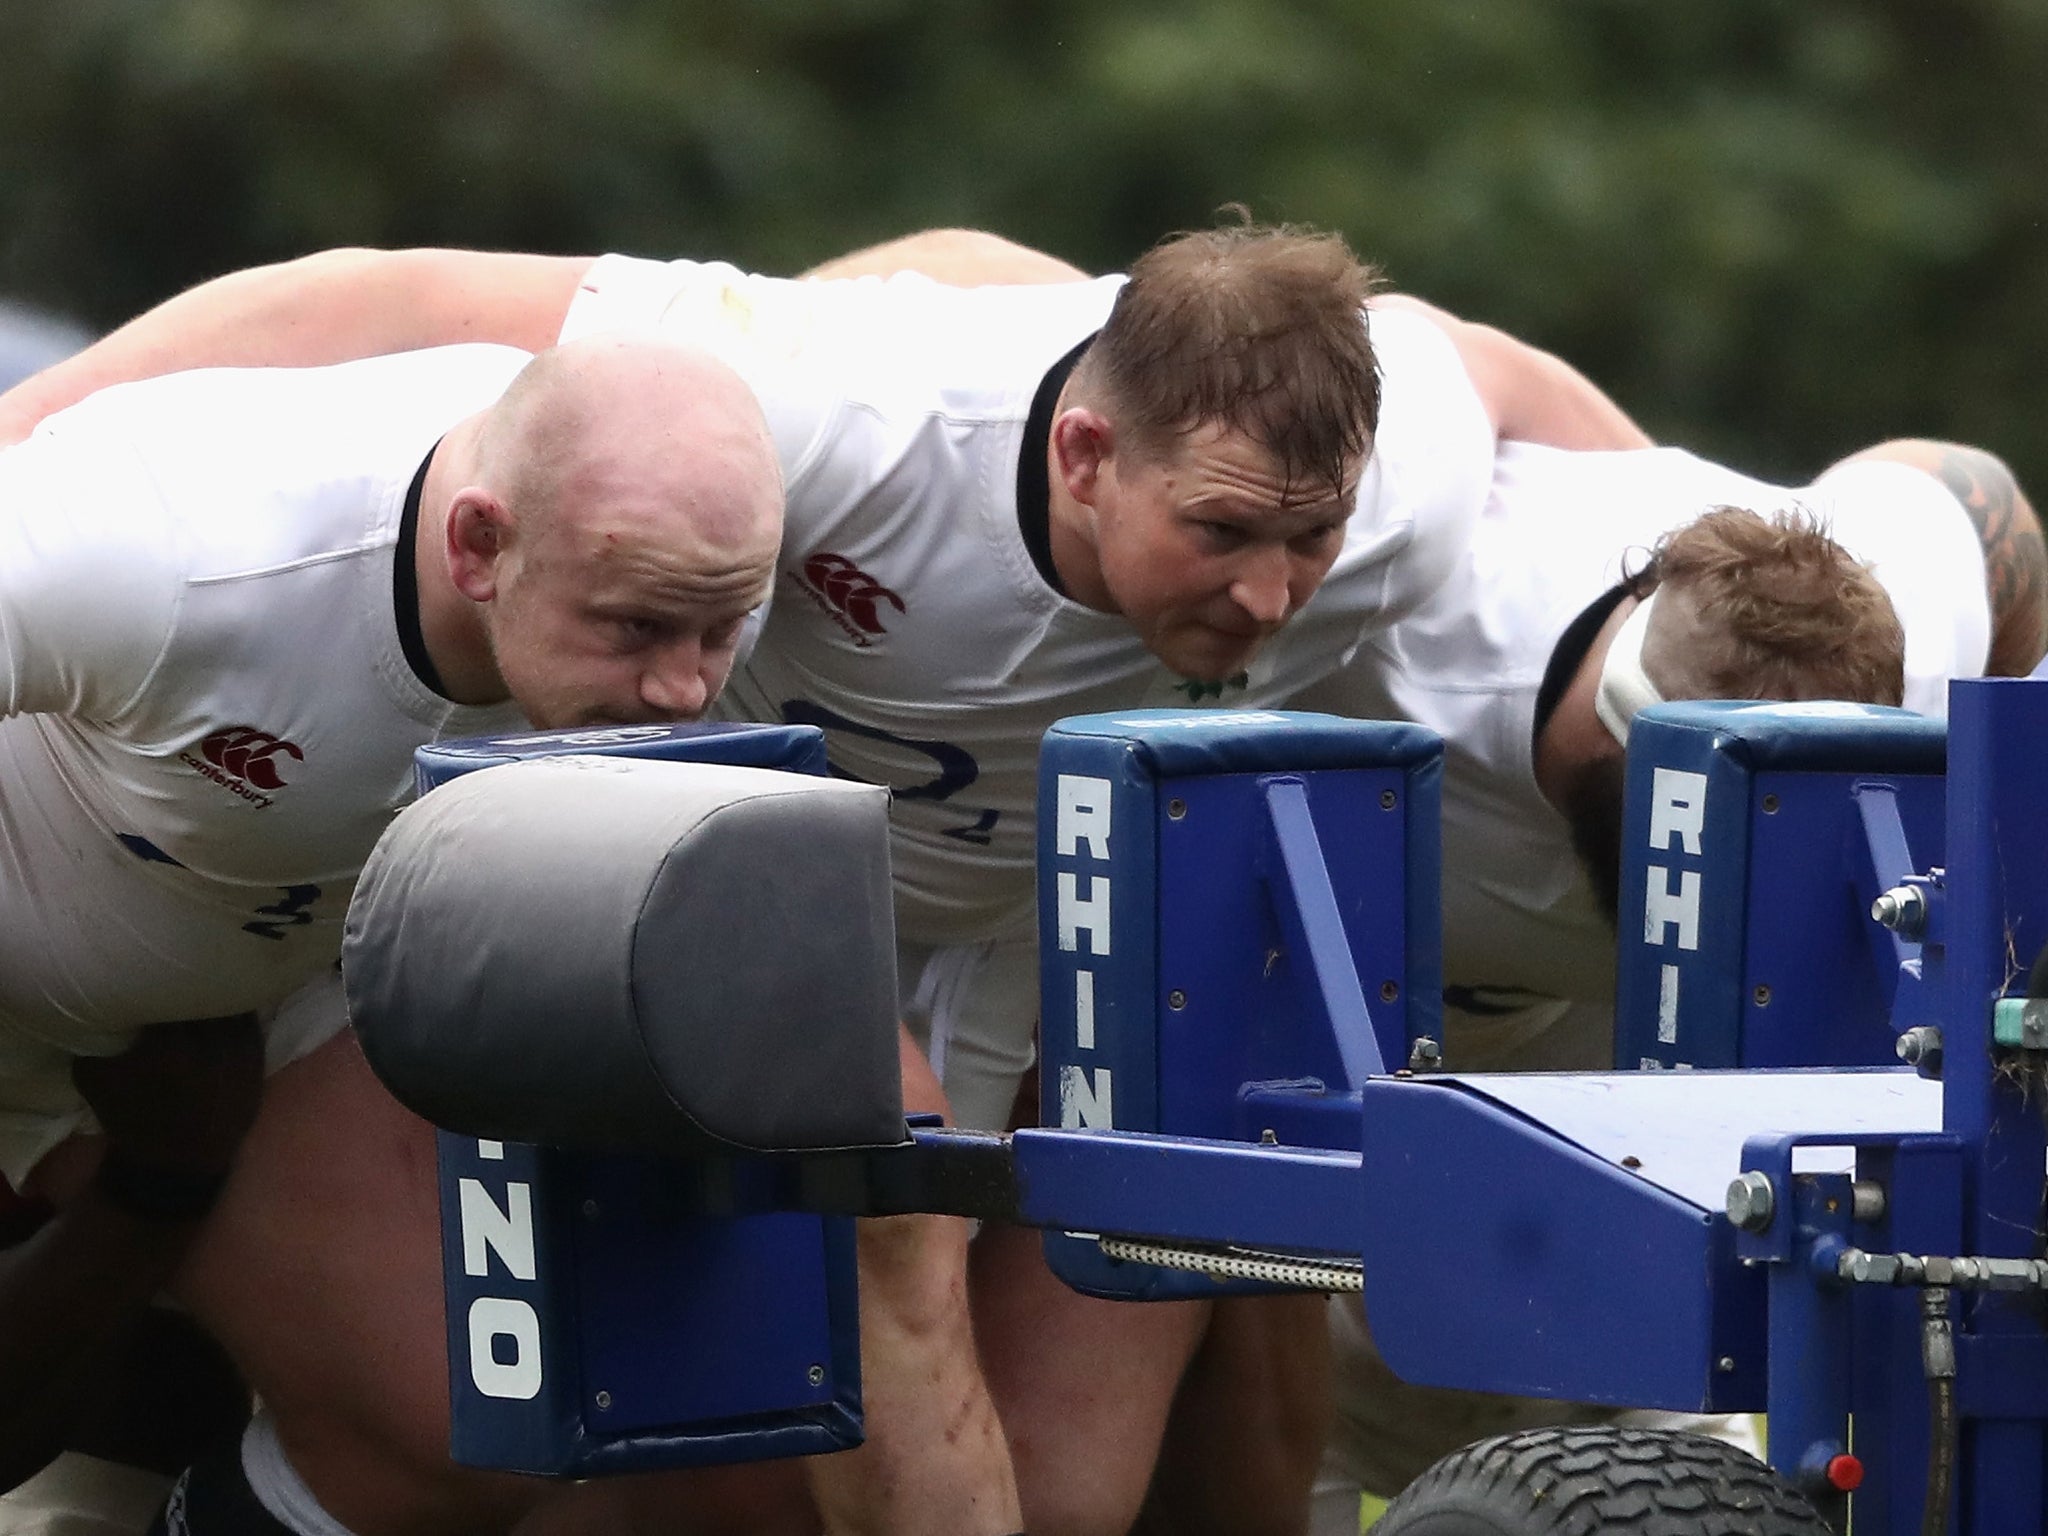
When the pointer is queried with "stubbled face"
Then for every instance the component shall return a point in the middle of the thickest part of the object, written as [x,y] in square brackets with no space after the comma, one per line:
[1204,555]
[599,625]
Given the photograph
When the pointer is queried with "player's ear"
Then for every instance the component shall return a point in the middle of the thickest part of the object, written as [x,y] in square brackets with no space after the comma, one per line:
[1082,441]
[478,533]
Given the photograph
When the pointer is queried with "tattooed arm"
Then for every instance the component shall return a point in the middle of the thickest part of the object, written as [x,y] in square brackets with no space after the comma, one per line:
[2015,557]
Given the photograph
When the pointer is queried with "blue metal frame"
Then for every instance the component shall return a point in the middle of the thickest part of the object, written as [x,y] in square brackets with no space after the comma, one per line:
[1997,920]
[1501,1258]
[1502,1253]
[1510,1239]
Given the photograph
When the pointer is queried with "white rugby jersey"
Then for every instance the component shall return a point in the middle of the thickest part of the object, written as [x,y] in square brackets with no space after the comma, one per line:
[208,715]
[1559,529]
[908,617]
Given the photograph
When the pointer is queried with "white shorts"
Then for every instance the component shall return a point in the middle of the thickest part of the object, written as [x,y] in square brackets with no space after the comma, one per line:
[1554,1035]
[78,1495]
[39,1109]
[974,1010]
[97,943]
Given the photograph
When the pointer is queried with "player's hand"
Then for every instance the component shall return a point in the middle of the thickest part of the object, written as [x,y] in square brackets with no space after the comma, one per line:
[183,1096]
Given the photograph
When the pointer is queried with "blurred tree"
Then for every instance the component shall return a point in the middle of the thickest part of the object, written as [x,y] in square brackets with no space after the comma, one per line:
[1774,230]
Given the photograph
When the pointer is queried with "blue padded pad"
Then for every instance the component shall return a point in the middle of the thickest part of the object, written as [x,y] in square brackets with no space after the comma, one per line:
[1172,743]
[1779,970]
[1822,736]
[626,954]
[1181,905]
[625,1296]
[797,748]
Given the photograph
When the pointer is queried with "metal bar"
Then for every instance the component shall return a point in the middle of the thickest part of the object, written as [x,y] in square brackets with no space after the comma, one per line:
[1997,921]
[1962,1274]
[1306,905]
[1809,1326]
[1332,1276]
[1887,859]
[1190,1191]
[1105,1182]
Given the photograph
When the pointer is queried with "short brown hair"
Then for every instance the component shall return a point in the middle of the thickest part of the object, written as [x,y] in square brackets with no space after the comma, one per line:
[1260,328]
[1778,610]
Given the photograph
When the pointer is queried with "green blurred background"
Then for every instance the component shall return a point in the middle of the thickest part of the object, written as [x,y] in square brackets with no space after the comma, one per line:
[1776,231]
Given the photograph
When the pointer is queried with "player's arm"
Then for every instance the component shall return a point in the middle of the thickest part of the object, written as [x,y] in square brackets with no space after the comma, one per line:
[174,1109]
[965,258]
[326,308]
[1531,395]
[935,1459]
[2008,529]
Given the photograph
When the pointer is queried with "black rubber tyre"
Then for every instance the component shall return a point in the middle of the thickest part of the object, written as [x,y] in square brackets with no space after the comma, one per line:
[1600,1481]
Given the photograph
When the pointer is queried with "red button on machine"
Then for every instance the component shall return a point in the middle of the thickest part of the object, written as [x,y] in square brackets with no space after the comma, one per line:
[1845,1473]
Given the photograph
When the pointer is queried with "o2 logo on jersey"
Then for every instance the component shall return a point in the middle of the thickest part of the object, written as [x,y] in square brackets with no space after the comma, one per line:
[956,766]
[244,761]
[847,595]
[292,909]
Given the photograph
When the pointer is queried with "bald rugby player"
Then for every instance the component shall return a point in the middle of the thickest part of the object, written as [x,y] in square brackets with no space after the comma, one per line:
[234,603]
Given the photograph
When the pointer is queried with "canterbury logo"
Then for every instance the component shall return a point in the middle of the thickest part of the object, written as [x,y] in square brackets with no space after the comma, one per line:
[244,760]
[249,755]
[849,595]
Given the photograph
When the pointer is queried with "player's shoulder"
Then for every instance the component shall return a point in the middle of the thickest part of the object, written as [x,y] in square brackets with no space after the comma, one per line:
[1914,532]
[1433,423]
[1425,481]
[1662,470]
[210,406]
[1890,501]
[1413,351]
[255,467]
[872,330]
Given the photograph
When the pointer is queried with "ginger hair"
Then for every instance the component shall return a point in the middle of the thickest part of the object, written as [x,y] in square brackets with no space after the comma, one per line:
[1769,607]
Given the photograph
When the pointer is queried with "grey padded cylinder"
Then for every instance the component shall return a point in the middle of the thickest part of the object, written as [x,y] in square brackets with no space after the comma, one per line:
[620,954]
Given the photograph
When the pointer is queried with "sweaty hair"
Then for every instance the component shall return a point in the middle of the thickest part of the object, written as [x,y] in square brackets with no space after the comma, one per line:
[1780,611]
[1783,612]
[1259,329]
[1749,607]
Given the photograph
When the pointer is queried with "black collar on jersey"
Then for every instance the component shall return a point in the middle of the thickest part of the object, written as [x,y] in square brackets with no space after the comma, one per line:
[1572,645]
[405,585]
[1034,490]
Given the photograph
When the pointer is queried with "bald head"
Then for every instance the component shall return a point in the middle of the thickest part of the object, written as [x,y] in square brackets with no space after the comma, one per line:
[622,513]
[618,428]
